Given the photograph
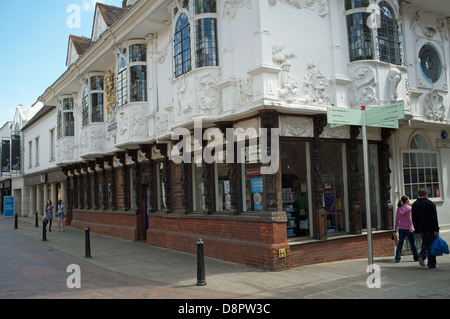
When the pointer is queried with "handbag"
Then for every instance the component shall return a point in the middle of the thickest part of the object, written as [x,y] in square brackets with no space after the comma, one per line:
[439,247]
[395,238]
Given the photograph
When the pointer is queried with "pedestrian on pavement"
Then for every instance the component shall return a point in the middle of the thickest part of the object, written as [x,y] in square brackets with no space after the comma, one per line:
[425,221]
[404,227]
[60,214]
[49,214]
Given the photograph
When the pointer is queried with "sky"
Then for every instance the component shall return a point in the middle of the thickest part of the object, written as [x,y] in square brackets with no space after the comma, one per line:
[34,39]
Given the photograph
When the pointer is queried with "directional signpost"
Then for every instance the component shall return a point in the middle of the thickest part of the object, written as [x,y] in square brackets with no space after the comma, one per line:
[384,116]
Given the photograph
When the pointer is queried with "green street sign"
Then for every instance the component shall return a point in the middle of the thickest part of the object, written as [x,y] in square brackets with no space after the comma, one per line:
[341,116]
[385,114]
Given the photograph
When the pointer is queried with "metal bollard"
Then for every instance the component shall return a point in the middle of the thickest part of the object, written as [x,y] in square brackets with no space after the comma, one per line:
[16,221]
[44,229]
[36,219]
[200,264]
[87,246]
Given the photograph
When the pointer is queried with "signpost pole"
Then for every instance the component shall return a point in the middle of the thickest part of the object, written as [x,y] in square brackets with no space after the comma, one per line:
[367,187]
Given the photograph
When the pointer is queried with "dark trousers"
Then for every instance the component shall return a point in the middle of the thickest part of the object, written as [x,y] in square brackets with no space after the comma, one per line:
[402,233]
[427,240]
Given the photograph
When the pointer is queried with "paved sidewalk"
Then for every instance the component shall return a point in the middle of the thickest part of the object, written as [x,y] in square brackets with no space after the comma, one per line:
[345,279]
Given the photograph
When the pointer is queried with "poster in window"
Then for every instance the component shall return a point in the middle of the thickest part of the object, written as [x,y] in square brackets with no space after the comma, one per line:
[15,153]
[257,187]
[6,149]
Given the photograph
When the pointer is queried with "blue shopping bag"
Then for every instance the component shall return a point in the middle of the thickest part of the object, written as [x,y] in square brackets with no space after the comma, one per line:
[439,247]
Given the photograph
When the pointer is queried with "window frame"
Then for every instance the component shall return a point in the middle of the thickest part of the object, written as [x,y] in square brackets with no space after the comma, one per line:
[195,37]
[372,38]
[415,186]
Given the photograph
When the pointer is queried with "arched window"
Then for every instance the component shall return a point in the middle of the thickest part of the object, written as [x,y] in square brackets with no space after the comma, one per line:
[421,168]
[364,32]
[182,46]
[388,35]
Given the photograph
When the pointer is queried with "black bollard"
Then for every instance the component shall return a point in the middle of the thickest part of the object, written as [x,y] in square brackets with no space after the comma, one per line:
[200,264]
[36,219]
[87,246]
[44,229]
[16,222]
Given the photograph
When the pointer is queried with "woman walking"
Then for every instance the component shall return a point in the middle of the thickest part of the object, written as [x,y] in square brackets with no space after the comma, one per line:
[404,226]
[60,214]
[49,214]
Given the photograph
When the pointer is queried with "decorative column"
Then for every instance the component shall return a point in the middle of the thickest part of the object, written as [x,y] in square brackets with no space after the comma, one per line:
[320,215]
[150,166]
[355,215]
[110,161]
[123,161]
[133,154]
[387,207]
[164,150]
[272,182]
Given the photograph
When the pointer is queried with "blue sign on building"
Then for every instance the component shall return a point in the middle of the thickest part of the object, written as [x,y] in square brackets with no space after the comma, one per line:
[9,206]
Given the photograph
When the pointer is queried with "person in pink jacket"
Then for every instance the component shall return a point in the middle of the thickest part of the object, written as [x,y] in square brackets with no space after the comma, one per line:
[405,228]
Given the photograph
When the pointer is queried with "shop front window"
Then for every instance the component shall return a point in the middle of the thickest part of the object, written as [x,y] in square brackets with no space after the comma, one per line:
[223,188]
[295,191]
[252,179]
[334,186]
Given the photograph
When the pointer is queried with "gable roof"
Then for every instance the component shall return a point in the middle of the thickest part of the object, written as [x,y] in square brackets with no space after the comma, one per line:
[81,43]
[104,17]
[77,46]
[110,13]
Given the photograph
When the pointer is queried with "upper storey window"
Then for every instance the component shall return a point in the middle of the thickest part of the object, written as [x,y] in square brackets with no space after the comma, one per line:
[92,101]
[202,36]
[131,63]
[66,121]
[182,46]
[371,26]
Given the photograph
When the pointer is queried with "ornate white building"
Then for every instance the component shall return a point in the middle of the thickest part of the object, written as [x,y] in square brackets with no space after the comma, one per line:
[155,66]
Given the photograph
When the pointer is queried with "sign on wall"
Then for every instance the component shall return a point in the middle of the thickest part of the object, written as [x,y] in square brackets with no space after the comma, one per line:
[9,206]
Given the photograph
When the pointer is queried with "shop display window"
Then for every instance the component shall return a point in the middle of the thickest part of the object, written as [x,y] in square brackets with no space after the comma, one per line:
[223,187]
[334,186]
[295,191]
[253,190]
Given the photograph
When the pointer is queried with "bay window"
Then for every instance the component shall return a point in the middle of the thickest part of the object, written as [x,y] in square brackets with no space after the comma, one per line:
[97,100]
[204,33]
[131,74]
[66,120]
[365,34]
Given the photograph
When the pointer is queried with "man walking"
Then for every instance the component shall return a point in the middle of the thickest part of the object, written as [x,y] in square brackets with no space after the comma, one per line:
[425,221]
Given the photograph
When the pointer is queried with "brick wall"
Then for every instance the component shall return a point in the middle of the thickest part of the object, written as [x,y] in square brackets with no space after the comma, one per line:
[115,224]
[351,247]
[257,243]
[252,242]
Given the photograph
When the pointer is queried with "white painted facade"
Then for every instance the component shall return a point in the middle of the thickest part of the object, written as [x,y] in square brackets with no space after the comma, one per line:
[289,56]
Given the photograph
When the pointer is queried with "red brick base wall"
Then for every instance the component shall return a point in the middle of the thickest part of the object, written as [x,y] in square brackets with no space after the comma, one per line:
[257,243]
[251,242]
[351,247]
[115,224]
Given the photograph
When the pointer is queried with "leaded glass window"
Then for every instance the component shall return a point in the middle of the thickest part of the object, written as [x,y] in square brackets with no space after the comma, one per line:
[182,46]
[206,42]
[388,35]
[420,169]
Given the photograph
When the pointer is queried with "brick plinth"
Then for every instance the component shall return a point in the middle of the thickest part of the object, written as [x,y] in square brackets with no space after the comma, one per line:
[251,240]
[116,224]
[342,248]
